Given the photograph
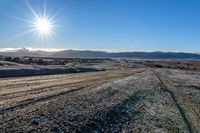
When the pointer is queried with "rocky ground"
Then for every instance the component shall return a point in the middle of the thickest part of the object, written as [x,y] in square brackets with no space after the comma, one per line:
[124,100]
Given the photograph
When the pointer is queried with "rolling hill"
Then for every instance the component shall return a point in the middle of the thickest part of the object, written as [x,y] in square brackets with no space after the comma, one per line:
[102,54]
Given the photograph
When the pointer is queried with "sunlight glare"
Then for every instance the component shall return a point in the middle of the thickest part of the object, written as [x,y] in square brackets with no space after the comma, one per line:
[43,26]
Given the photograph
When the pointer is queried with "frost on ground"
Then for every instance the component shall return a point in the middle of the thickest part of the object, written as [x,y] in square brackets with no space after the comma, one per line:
[10,69]
[138,102]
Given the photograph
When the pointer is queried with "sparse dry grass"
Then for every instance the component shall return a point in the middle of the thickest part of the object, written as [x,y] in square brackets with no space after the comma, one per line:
[185,65]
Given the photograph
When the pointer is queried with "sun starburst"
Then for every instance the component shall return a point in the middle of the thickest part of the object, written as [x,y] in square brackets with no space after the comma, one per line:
[41,24]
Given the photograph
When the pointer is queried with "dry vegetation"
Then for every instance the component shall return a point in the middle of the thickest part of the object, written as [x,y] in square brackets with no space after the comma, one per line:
[124,99]
[174,64]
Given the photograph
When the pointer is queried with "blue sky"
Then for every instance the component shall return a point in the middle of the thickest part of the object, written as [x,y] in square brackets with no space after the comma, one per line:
[120,25]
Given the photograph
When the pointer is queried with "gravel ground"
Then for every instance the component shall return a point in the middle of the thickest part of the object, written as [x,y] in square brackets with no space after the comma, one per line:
[131,100]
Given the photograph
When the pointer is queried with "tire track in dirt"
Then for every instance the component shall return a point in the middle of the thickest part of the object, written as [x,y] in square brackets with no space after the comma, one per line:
[184,84]
[37,90]
[58,90]
[35,100]
[41,99]
[35,106]
[176,102]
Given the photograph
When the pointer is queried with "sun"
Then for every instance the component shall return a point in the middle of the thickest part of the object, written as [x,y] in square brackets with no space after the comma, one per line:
[43,25]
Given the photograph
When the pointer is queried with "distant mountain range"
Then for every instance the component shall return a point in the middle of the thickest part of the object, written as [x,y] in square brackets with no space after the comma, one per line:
[102,54]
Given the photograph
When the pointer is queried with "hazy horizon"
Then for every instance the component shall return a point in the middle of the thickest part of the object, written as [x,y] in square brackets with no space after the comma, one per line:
[103,50]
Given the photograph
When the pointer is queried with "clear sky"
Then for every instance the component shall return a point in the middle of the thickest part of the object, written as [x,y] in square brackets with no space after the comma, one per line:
[121,25]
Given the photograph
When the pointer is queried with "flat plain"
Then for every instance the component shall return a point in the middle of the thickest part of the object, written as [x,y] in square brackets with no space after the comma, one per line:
[129,98]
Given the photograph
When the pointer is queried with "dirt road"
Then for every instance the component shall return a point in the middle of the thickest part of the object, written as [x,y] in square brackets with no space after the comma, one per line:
[128,100]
